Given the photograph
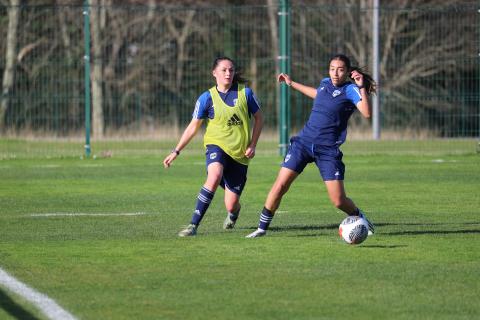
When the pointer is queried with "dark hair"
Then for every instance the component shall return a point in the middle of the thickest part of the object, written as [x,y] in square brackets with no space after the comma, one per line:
[237,77]
[368,81]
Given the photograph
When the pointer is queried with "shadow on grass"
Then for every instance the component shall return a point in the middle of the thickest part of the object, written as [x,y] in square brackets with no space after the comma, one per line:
[305,227]
[298,227]
[13,309]
[472,223]
[420,232]
[445,230]
[379,226]
[378,246]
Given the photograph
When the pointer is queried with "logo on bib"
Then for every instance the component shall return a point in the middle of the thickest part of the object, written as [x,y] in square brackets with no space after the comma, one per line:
[234,121]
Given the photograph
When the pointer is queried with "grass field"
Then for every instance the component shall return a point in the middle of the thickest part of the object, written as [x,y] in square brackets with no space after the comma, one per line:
[110,250]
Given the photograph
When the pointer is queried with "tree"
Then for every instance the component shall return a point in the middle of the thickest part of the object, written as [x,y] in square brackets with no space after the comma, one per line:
[8,74]
[420,42]
[97,72]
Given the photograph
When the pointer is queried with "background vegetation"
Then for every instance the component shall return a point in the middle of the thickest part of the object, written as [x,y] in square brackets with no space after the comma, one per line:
[150,60]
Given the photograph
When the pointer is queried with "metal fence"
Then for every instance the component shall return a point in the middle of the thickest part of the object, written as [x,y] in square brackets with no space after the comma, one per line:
[149,63]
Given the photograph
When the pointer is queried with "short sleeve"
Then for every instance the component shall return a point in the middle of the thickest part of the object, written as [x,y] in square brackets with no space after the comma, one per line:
[252,101]
[353,93]
[202,106]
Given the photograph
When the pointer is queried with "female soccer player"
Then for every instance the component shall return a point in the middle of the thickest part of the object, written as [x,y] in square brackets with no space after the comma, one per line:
[227,107]
[326,129]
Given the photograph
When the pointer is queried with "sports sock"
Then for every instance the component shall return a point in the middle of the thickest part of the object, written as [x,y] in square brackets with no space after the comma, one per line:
[204,198]
[265,218]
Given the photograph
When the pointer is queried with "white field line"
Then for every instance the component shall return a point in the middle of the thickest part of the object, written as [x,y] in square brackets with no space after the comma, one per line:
[48,306]
[80,214]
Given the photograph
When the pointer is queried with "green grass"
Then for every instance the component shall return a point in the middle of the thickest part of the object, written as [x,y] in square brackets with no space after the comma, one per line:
[423,263]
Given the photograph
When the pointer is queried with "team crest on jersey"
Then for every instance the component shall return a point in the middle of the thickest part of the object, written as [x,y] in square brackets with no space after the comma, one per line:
[234,121]
[336,93]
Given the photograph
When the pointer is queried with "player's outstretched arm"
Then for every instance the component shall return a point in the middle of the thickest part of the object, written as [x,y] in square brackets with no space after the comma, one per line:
[187,135]
[306,90]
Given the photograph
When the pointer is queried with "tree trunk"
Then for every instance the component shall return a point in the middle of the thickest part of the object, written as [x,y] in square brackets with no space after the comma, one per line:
[96,75]
[272,19]
[8,75]
[62,19]
[180,35]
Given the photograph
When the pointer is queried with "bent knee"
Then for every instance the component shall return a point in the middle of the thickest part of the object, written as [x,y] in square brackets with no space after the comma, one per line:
[232,207]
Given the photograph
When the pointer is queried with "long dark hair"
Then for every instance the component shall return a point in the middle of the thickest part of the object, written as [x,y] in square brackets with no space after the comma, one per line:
[368,81]
[237,77]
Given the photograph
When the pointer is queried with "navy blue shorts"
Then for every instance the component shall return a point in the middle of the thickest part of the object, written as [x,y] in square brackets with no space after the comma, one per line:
[234,173]
[327,159]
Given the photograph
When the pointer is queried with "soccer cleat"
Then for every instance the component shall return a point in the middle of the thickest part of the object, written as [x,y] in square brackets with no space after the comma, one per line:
[257,234]
[371,227]
[229,223]
[189,231]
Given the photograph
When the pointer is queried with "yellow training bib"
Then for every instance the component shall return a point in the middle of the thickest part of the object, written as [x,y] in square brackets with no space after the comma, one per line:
[230,127]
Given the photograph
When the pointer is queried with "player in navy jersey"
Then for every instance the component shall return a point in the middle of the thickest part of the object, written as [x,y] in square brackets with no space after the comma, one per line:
[230,143]
[319,141]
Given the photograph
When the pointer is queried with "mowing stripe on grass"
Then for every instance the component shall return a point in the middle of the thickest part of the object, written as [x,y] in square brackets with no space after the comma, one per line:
[48,306]
[80,214]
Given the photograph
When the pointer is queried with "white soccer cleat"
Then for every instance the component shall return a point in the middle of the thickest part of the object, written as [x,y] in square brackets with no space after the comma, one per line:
[371,227]
[229,223]
[189,231]
[257,234]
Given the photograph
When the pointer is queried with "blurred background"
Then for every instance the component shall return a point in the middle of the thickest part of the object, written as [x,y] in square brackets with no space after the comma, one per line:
[136,68]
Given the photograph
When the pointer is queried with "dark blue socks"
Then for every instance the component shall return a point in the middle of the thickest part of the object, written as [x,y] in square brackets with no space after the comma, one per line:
[204,198]
[265,218]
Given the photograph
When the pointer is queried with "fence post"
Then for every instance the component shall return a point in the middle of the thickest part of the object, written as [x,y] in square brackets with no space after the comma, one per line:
[284,61]
[478,74]
[86,58]
[375,70]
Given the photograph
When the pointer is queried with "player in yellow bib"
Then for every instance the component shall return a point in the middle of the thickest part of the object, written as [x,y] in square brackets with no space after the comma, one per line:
[230,142]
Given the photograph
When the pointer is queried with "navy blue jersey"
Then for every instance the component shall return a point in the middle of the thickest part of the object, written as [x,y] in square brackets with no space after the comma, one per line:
[333,106]
[204,105]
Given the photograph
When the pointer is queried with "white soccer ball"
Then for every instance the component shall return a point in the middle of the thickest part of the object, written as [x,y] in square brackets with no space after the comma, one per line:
[353,229]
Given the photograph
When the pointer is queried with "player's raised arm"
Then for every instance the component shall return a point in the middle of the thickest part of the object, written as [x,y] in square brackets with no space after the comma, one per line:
[306,90]
[363,85]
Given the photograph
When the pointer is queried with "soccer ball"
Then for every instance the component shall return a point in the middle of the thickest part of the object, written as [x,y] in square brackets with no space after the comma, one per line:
[353,229]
